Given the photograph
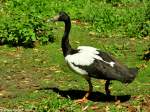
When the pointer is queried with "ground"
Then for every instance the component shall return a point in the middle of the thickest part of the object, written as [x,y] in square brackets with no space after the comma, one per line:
[38,79]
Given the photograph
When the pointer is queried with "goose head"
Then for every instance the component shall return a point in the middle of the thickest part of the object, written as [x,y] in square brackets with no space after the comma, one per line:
[62,16]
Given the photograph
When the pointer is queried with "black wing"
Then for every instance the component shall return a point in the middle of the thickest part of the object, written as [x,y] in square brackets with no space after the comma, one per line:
[102,70]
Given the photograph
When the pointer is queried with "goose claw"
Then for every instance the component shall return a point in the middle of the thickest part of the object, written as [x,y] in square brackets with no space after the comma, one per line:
[83,100]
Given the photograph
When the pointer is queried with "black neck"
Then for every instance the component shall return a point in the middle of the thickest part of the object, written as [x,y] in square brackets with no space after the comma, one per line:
[65,39]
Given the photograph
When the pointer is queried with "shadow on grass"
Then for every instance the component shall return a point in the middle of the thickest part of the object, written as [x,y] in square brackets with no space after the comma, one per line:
[95,96]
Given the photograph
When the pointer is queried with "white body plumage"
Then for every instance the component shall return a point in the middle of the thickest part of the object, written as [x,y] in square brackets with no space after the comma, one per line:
[84,57]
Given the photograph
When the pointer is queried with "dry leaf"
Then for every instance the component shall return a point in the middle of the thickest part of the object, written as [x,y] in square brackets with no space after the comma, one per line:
[92,33]
[107,109]
[85,108]
[131,108]
[94,107]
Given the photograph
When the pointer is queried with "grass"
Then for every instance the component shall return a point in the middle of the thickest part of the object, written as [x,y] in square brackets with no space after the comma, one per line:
[23,22]
[38,79]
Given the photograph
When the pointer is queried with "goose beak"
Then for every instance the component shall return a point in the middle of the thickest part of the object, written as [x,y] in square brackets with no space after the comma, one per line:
[54,19]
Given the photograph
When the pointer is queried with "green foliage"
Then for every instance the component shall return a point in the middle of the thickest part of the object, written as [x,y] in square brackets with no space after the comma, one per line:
[38,79]
[22,22]
[53,104]
[123,20]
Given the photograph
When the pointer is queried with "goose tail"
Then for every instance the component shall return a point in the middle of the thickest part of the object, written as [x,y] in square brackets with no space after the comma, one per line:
[133,74]
[134,71]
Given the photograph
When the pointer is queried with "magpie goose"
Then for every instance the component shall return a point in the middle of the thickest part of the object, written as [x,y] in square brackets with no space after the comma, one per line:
[90,62]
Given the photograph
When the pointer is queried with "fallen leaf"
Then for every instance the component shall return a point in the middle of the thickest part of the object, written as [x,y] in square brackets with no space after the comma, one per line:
[85,108]
[36,50]
[94,107]
[102,81]
[131,108]
[77,42]
[92,33]
[37,60]
[107,109]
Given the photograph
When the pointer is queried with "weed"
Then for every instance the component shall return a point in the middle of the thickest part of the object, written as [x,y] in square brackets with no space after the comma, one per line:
[22,21]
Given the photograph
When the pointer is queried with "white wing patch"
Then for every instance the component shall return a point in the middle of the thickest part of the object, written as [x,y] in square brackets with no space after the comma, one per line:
[84,57]
[77,69]
[112,63]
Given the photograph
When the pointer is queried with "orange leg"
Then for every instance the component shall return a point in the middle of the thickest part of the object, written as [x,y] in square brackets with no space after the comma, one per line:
[85,98]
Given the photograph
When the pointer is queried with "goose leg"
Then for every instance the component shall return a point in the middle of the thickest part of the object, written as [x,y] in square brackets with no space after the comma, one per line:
[90,87]
[107,88]
[85,98]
